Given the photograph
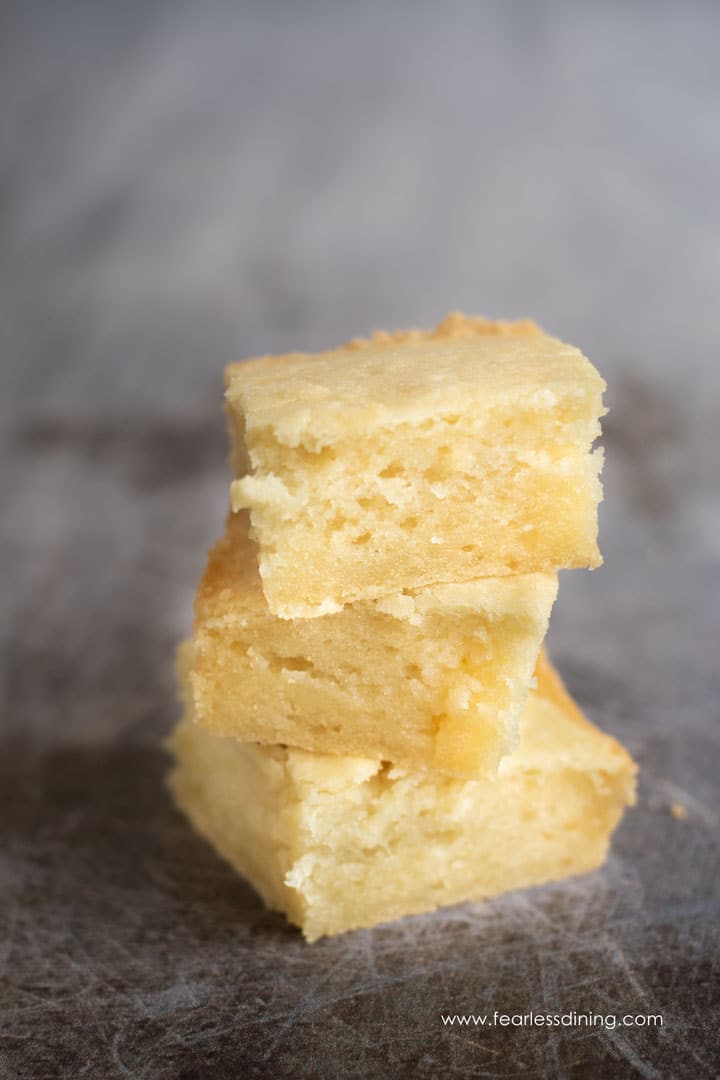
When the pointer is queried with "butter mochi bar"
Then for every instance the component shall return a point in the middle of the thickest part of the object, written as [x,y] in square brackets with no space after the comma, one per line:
[428,678]
[416,458]
[338,843]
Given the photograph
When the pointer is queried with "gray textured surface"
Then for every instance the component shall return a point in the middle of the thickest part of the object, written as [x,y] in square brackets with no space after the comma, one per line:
[182,184]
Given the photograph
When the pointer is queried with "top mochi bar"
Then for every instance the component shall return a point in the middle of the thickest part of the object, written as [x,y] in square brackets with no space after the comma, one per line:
[416,458]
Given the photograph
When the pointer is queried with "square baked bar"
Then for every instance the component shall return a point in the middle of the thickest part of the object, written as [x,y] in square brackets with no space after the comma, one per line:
[416,458]
[338,843]
[428,678]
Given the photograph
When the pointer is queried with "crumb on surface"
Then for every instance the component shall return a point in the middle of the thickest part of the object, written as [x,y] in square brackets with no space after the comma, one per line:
[678,811]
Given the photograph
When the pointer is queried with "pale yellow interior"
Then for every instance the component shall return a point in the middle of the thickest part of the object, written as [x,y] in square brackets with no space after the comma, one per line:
[443,502]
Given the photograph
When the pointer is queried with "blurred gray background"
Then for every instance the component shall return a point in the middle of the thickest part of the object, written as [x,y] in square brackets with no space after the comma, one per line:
[185,184]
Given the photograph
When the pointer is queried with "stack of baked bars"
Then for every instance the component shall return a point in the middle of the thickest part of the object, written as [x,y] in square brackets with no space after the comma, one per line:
[371,726]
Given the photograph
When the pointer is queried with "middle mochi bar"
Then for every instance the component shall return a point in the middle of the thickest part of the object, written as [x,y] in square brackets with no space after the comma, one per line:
[431,678]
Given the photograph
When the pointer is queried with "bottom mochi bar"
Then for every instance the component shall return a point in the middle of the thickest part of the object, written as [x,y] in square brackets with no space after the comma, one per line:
[339,843]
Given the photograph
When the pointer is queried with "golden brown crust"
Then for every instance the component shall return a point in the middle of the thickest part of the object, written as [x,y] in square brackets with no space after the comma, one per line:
[453,327]
[551,687]
[229,570]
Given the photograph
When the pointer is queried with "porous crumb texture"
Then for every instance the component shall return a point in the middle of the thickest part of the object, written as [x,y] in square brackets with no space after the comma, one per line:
[415,458]
[344,842]
[428,678]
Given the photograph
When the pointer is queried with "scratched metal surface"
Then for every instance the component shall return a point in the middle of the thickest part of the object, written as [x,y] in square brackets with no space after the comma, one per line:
[185,184]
